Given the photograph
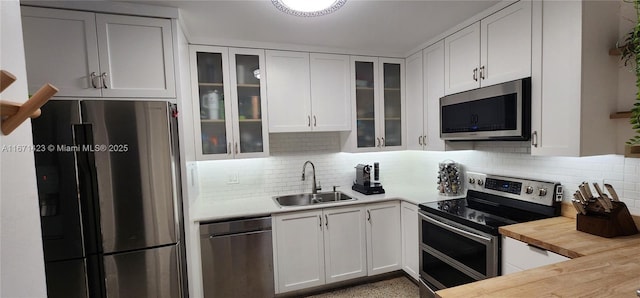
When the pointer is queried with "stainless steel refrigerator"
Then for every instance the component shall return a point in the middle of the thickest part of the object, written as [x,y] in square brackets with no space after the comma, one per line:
[110,202]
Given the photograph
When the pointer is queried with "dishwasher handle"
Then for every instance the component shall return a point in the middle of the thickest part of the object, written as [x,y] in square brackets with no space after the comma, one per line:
[232,227]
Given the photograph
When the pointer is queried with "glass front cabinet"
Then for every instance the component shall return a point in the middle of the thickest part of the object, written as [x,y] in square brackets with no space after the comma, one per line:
[229,102]
[378,96]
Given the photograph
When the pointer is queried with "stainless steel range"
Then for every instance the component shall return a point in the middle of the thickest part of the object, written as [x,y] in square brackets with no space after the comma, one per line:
[459,239]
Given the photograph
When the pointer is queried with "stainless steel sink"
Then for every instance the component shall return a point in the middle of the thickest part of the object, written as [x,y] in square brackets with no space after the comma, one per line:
[305,199]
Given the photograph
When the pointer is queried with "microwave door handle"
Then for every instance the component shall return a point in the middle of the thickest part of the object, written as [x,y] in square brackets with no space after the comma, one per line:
[457,231]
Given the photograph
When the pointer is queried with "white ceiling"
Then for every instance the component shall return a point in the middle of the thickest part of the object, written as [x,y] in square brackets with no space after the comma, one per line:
[387,28]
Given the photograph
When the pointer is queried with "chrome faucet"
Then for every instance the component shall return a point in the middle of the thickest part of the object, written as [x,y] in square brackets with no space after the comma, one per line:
[314,188]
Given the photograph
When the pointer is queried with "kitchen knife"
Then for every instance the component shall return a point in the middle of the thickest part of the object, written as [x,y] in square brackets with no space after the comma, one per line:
[588,190]
[614,195]
[606,202]
[578,207]
[603,202]
[578,195]
[583,192]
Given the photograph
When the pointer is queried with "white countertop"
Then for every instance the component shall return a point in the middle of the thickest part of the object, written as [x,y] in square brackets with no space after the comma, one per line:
[214,210]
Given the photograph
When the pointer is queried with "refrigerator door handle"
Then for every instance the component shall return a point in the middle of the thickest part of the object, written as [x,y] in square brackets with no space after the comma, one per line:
[89,202]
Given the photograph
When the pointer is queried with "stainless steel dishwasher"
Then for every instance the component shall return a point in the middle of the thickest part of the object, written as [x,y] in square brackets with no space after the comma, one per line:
[237,258]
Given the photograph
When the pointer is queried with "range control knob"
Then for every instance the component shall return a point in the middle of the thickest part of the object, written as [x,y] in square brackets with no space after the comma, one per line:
[542,192]
[480,182]
[528,190]
[472,181]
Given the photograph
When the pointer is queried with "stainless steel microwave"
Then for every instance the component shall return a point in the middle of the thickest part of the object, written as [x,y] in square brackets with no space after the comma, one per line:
[500,112]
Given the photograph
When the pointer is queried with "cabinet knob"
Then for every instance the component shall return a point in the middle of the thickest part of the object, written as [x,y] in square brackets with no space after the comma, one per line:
[92,77]
[103,78]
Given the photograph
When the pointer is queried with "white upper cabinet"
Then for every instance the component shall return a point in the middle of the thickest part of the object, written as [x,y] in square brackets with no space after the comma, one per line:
[433,59]
[330,92]
[425,86]
[414,102]
[98,55]
[230,107]
[378,101]
[288,90]
[308,92]
[574,81]
[497,49]
[462,60]
[61,48]
[505,45]
[136,56]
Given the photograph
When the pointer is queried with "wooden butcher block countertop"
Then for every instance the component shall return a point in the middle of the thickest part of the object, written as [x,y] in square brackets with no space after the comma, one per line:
[600,267]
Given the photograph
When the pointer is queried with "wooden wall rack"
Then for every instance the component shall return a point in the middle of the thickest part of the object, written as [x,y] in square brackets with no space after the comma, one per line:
[13,114]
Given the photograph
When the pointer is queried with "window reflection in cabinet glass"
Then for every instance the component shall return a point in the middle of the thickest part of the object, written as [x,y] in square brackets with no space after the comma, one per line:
[392,105]
[211,96]
[365,103]
[249,103]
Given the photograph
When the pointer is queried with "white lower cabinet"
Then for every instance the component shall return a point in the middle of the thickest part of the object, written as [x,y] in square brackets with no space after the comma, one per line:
[344,243]
[298,250]
[313,248]
[410,239]
[317,247]
[518,256]
[383,238]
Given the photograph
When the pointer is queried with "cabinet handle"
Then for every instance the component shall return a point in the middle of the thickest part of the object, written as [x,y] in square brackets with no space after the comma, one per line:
[368,216]
[482,72]
[326,221]
[228,148]
[475,74]
[424,140]
[309,121]
[383,144]
[420,140]
[314,121]
[534,139]
[378,140]
[93,77]
[320,219]
[103,76]
[237,151]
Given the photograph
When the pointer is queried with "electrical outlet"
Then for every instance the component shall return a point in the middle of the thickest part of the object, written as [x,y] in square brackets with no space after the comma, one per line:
[233,178]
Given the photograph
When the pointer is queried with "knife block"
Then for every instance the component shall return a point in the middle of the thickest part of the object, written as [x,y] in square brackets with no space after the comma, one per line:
[616,223]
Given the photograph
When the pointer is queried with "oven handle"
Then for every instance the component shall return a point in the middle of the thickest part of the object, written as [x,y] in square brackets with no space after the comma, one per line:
[456,230]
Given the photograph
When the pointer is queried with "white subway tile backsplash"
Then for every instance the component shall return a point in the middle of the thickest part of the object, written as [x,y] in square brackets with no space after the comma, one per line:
[281,172]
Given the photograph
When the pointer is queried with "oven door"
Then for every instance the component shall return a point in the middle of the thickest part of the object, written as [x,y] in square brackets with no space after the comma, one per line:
[452,254]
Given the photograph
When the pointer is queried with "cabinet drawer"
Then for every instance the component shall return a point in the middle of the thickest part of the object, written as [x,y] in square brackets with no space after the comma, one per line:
[524,256]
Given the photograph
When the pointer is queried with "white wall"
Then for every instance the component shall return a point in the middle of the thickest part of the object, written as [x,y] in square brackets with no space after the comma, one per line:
[281,172]
[21,258]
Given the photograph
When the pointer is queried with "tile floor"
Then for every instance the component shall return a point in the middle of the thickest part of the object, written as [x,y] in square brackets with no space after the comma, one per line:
[397,287]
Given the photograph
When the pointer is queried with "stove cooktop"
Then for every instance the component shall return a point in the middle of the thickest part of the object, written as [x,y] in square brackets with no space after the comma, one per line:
[458,211]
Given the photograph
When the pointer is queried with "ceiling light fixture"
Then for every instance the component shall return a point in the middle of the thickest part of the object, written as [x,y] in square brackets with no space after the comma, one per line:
[308,8]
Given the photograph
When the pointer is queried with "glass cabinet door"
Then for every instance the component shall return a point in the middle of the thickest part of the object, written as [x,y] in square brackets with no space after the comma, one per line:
[392,99]
[365,104]
[248,100]
[211,89]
